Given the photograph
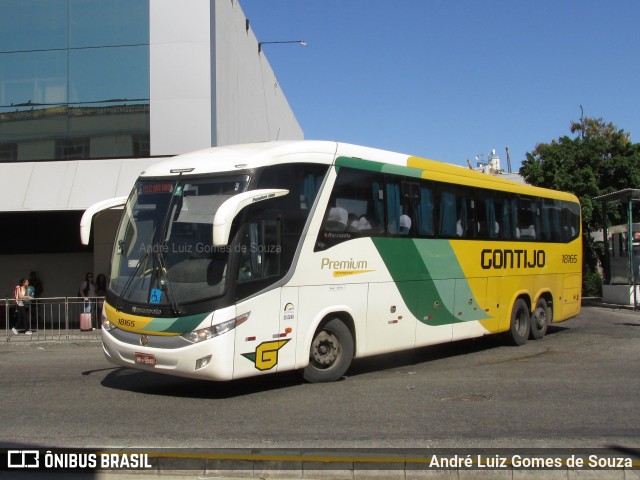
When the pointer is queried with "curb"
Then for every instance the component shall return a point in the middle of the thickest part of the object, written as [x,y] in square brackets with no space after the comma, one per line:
[598,303]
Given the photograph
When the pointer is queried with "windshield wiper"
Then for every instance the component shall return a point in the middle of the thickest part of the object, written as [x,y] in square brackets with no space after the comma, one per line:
[133,275]
[165,284]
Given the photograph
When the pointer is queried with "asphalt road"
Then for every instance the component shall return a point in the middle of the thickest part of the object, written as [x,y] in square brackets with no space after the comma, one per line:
[578,387]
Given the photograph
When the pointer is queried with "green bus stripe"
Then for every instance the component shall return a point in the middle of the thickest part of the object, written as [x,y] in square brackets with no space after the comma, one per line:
[368,165]
[413,264]
[175,325]
[359,163]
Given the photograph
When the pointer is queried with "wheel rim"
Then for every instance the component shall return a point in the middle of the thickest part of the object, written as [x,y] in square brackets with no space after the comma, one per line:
[521,323]
[325,350]
[540,317]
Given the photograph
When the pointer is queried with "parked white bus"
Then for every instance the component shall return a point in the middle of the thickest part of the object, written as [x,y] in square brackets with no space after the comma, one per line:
[244,260]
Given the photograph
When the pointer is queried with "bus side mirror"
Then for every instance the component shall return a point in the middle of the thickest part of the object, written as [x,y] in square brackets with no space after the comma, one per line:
[225,214]
[92,211]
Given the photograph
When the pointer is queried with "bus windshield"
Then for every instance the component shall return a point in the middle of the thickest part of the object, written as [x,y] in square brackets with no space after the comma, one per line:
[163,253]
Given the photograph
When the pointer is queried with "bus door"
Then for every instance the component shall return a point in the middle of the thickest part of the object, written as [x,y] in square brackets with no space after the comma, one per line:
[259,339]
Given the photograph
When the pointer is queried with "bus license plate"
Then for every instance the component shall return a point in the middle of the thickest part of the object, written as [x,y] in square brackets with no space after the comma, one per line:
[145,359]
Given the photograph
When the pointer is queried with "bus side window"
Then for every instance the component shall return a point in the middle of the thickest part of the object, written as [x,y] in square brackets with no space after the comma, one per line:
[570,221]
[394,206]
[448,217]
[486,212]
[550,224]
[409,205]
[457,212]
[355,209]
[509,221]
[528,218]
[260,251]
[424,210]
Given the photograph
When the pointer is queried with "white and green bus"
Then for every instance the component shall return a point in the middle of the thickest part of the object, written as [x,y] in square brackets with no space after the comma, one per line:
[244,260]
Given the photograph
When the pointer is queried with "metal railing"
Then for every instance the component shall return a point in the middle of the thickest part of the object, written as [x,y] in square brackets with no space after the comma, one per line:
[53,318]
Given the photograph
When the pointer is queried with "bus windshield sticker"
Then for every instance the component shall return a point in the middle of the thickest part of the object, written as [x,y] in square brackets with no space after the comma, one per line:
[156,295]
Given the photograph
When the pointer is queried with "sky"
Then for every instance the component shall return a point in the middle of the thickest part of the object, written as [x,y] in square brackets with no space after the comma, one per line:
[453,79]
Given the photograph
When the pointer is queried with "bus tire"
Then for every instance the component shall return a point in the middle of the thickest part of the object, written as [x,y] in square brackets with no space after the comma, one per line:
[520,323]
[540,319]
[330,354]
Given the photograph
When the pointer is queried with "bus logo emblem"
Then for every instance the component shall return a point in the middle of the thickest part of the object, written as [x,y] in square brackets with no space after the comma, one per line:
[266,355]
[144,339]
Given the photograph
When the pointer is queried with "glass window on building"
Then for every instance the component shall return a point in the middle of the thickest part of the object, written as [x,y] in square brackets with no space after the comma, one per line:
[74,79]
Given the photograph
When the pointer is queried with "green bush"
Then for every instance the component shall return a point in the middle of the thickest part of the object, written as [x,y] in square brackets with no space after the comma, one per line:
[591,284]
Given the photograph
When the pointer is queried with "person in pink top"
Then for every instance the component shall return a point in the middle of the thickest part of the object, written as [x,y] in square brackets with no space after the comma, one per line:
[20,295]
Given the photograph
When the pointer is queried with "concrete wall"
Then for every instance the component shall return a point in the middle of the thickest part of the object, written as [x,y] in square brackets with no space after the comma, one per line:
[620,294]
[249,103]
[210,86]
[180,73]
[61,274]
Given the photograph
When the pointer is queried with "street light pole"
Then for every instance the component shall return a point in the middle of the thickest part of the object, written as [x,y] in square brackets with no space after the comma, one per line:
[300,42]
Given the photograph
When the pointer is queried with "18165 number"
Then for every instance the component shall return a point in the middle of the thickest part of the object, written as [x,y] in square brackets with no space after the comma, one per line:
[569,258]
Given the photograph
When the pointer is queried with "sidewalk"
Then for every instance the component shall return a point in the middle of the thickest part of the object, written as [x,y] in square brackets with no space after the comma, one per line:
[597,302]
[39,336]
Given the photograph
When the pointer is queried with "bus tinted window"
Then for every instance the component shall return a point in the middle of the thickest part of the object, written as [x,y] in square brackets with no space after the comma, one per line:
[456,217]
[570,221]
[355,209]
[528,218]
[488,206]
[551,230]
[409,205]
[367,203]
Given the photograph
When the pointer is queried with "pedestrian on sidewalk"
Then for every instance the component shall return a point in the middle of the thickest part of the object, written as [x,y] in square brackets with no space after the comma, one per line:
[87,287]
[87,290]
[20,295]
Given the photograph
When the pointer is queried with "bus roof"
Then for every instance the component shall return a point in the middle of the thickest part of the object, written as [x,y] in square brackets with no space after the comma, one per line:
[231,158]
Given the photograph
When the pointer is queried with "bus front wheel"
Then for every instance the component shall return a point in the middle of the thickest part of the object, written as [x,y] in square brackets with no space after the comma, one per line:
[541,319]
[520,323]
[330,354]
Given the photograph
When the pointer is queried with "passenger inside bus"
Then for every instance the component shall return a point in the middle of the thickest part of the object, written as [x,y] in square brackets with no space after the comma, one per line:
[336,220]
[353,223]
[404,225]
[363,223]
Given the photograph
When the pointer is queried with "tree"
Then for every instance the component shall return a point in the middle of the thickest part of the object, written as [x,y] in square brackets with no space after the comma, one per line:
[599,159]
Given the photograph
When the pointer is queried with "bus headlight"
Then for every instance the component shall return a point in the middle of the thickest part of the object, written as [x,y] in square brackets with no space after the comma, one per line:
[107,325]
[215,330]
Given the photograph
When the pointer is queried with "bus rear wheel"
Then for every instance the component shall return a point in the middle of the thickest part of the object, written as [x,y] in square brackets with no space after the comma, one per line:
[330,354]
[520,323]
[541,319]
